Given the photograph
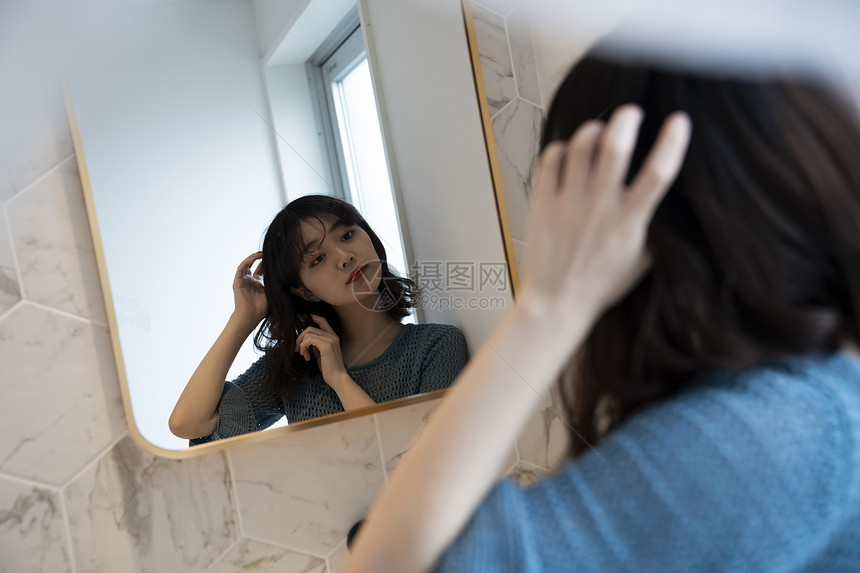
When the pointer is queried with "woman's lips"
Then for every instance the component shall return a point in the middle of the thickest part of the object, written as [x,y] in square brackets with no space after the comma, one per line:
[355,274]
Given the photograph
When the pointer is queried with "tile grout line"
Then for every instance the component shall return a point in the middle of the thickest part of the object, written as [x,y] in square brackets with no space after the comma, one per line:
[511,55]
[10,309]
[282,546]
[535,466]
[14,253]
[66,313]
[488,9]
[95,459]
[379,445]
[527,100]
[328,566]
[501,109]
[516,6]
[28,482]
[67,527]
[39,179]
[235,490]
[534,56]
[540,91]
[220,557]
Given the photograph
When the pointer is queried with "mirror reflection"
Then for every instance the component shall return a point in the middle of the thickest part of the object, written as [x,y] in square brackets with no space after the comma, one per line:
[328,313]
[194,146]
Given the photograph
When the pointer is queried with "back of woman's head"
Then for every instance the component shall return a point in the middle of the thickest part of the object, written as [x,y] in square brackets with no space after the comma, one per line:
[756,250]
[288,313]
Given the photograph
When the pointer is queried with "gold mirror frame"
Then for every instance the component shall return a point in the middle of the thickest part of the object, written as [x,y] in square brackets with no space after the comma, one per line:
[273,433]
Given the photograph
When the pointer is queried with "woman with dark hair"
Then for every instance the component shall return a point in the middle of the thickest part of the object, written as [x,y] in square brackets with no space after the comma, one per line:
[700,312]
[329,310]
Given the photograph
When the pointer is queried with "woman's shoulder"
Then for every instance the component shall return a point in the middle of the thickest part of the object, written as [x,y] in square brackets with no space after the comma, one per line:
[436,328]
[797,415]
[436,333]
[827,380]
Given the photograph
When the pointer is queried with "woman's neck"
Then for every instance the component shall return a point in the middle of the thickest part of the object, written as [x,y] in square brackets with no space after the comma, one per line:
[363,326]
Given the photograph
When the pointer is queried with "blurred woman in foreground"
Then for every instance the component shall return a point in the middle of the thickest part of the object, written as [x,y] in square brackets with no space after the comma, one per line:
[698,310]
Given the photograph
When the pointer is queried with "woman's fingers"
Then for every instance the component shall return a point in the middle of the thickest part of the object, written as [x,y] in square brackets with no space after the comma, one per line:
[303,342]
[661,166]
[323,323]
[615,150]
[587,230]
[245,266]
[549,174]
[313,336]
[578,164]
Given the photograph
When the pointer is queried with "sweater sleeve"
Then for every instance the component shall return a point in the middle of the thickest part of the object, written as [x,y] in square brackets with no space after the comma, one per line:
[246,405]
[445,358]
[749,477]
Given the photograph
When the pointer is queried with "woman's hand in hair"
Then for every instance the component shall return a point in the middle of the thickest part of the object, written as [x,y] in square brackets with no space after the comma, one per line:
[249,296]
[587,229]
[325,346]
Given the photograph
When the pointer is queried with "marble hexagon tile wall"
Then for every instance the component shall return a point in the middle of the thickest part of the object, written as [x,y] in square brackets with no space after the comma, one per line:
[62,403]
[513,92]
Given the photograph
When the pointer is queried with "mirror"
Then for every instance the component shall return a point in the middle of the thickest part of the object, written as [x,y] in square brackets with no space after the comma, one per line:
[193,142]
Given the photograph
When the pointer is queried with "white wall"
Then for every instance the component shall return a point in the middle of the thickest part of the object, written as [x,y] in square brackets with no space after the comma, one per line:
[272,16]
[423,81]
[303,165]
[185,180]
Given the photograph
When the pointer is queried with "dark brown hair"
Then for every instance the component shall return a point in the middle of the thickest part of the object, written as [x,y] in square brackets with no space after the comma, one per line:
[289,314]
[756,246]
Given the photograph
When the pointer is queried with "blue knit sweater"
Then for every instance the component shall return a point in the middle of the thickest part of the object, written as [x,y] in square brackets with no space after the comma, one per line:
[754,471]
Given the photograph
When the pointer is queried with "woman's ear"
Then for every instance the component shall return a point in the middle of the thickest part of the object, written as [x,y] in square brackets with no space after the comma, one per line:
[304,293]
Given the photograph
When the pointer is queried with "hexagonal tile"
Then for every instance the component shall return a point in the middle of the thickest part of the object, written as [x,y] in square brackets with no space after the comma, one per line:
[523,54]
[306,490]
[516,131]
[51,235]
[61,401]
[496,67]
[158,514]
[31,529]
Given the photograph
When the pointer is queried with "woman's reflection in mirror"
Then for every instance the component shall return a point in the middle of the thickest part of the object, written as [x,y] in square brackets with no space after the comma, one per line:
[328,311]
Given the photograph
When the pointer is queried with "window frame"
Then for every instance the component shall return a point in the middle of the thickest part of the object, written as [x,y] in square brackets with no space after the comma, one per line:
[347,36]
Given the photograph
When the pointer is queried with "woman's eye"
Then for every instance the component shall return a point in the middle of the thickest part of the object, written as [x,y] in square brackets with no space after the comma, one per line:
[346,236]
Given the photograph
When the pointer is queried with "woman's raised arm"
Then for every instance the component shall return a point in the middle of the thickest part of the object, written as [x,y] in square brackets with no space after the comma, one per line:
[586,248]
[195,412]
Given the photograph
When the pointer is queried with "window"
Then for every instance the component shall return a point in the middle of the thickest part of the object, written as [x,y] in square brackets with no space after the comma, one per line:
[350,125]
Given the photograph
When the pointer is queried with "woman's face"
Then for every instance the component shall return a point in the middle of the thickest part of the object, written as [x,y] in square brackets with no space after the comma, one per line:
[334,253]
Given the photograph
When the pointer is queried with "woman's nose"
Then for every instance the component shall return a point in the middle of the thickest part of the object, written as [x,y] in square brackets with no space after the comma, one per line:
[346,258]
